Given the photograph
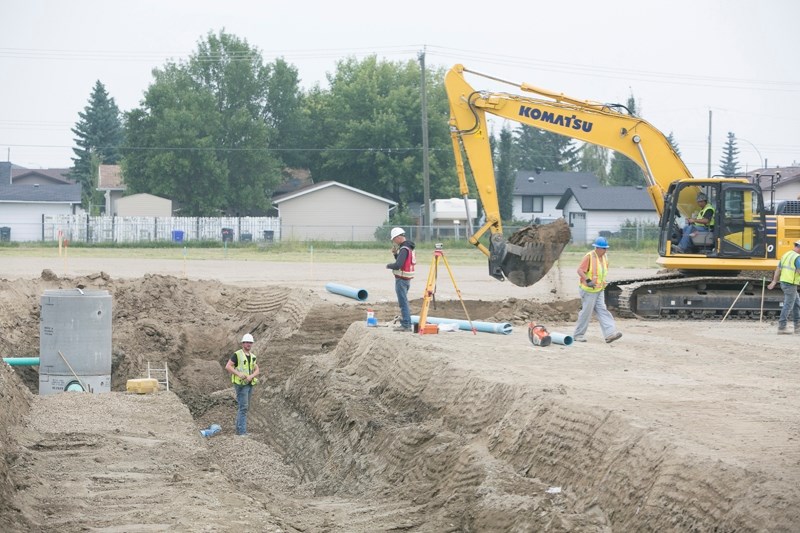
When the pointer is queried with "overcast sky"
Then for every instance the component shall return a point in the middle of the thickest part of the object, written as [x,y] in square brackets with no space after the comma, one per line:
[680,59]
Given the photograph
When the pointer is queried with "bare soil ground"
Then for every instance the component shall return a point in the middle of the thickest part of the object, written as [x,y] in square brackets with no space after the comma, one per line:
[679,426]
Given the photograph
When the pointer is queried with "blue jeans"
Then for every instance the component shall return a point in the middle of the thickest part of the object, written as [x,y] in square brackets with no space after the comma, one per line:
[686,238]
[243,393]
[791,305]
[401,287]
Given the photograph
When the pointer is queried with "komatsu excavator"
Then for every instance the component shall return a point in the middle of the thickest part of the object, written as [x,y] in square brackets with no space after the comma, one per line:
[702,282]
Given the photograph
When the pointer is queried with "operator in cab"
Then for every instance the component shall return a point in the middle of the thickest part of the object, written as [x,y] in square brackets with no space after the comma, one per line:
[703,222]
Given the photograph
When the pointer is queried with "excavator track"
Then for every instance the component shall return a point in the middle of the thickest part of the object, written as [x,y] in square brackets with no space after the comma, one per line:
[672,296]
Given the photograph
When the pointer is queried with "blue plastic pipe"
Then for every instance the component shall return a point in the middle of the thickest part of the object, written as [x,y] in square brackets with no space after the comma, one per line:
[21,361]
[561,338]
[503,328]
[350,292]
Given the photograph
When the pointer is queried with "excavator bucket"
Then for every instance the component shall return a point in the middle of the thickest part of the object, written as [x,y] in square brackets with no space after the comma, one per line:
[529,253]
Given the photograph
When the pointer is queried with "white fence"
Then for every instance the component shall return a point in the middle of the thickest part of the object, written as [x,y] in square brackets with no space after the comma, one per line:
[84,228]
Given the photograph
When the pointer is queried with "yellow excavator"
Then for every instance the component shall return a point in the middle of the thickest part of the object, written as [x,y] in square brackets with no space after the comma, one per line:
[704,281]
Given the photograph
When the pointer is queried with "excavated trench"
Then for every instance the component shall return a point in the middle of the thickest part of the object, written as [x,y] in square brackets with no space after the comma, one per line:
[364,429]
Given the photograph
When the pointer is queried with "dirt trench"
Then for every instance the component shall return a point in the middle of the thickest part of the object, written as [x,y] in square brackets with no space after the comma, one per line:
[353,428]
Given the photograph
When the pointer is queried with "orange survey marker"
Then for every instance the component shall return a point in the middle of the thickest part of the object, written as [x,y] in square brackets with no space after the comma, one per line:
[538,335]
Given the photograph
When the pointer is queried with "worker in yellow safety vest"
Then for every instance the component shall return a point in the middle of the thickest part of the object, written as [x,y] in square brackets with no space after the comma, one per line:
[244,370]
[592,274]
[788,273]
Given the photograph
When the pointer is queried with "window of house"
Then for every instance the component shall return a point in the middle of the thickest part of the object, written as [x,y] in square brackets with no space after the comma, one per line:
[532,204]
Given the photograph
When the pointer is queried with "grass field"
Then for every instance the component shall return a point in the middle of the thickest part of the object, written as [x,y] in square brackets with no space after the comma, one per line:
[297,252]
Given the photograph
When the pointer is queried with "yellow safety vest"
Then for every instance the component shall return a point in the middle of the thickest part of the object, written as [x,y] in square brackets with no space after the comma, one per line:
[789,273]
[704,213]
[244,366]
[597,272]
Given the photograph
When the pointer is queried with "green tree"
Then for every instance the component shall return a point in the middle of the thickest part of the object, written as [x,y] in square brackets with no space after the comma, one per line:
[368,134]
[172,145]
[623,170]
[729,164]
[535,148]
[504,173]
[674,144]
[204,133]
[594,159]
[98,138]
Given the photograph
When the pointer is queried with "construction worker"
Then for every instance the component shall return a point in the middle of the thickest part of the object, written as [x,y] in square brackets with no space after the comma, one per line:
[244,370]
[788,273]
[403,269]
[592,274]
[703,222]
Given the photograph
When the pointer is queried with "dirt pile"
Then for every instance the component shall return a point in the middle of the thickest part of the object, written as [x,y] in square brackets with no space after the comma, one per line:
[363,429]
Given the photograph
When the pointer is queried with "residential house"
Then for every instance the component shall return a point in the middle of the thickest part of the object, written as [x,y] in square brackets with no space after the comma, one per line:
[449,217]
[23,208]
[41,176]
[331,211]
[109,180]
[593,211]
[537,193]
[779,184]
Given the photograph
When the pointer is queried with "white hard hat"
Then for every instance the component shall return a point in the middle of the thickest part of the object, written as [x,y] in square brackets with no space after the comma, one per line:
[247,338]
[396,231]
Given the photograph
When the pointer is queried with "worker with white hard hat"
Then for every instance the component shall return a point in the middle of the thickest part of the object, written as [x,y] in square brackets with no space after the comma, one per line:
[244,370]
[403,269]
[788,274]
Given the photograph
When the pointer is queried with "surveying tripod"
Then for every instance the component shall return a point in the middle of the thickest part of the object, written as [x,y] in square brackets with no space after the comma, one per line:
[430,291]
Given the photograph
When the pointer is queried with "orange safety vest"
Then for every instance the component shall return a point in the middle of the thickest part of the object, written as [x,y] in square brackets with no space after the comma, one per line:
[407,270]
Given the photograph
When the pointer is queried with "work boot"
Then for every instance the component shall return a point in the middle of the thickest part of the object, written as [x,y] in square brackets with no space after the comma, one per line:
[401,329]
[579,338]
[784,331]
[613,337]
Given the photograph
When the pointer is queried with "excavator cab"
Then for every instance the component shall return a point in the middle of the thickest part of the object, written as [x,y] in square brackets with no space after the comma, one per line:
[738,228]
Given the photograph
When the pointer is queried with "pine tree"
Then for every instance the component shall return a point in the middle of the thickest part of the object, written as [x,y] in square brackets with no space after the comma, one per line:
[594,159]
[535,148]
[98,139]
[729,165]
[623,170]
[673,143]
[504,174]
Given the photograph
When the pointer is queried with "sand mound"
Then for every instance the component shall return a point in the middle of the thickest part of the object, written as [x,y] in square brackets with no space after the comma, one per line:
[363,429]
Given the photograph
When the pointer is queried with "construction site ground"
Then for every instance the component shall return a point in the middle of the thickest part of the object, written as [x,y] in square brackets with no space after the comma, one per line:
[678,426]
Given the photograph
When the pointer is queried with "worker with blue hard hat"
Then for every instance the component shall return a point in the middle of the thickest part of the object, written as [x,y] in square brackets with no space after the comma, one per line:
[592,274]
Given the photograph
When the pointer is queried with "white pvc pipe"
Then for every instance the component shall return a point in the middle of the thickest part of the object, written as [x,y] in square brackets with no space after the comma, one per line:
[350,292]
[561,338]
[503,328]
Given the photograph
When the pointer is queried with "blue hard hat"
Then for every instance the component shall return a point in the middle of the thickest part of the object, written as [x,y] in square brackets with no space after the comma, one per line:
[600,242]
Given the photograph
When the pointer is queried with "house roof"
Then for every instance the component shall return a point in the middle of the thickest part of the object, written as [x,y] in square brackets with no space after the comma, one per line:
[293,179]
[766,177]
[609,199]
[109,177]
[6,168]
[56,176]
[324,185]
[62,194]
[544,183]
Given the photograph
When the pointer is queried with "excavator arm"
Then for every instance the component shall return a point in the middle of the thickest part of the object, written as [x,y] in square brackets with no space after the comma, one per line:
[528,255]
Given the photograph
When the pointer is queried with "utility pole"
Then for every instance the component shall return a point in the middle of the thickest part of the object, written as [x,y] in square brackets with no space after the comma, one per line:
[708,175]
[426,178]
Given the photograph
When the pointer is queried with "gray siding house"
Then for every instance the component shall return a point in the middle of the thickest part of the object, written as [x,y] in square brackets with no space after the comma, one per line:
[537,193]
[331,211]
[592,211]
[23,208]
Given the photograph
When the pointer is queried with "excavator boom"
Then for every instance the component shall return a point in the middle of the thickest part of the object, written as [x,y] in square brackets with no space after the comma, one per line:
[739,238]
